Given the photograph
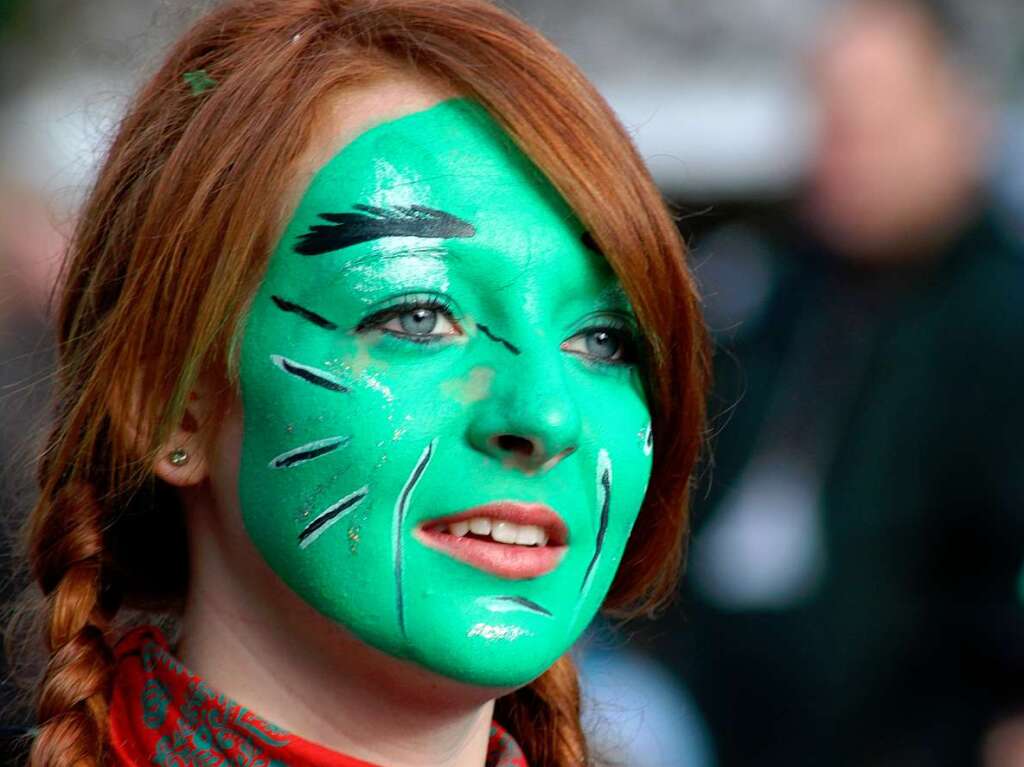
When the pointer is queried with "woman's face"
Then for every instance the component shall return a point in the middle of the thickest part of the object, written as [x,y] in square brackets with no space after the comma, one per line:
[446,440]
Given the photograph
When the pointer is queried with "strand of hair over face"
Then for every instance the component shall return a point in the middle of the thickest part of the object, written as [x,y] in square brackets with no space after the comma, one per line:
[176,234]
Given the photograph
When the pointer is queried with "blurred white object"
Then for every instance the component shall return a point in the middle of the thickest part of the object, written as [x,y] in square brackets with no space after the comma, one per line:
[55,132]
[717,138]
[765,547]
[636,715]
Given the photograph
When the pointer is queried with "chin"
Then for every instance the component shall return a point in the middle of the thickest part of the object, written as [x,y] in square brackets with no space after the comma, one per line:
[493,651]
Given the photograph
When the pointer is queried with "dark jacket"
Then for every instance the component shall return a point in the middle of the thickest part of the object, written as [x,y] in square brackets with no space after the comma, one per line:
[899,395]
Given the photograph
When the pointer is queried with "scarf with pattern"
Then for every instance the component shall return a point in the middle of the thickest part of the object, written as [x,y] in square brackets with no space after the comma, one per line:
[162,714]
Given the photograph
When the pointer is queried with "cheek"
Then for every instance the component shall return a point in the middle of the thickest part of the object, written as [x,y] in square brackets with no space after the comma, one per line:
[619,424]
[623,473]
[219,540]
[628,489]
[471,388]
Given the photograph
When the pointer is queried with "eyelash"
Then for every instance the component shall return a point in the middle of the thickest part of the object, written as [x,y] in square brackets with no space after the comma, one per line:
[408,304]
[619,328]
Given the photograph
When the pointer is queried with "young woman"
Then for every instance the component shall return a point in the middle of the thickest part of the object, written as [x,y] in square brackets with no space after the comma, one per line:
[382,370]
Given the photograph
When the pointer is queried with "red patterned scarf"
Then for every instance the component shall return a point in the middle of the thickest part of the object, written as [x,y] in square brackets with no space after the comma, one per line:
[162,714]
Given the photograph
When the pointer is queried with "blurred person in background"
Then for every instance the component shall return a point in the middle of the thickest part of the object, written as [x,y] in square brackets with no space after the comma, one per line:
[852,595]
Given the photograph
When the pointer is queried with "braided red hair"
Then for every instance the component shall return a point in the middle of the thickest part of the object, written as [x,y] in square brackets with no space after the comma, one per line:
[66,552]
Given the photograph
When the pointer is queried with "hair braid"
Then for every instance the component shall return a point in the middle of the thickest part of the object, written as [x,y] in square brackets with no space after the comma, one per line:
[544,717]
[67,552]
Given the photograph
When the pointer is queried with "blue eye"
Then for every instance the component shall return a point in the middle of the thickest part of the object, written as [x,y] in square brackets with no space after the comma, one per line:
[421,320]
[610,344]
[418,322]
[605,345]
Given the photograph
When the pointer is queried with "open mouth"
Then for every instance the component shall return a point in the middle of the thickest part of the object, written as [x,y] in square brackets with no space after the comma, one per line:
[506,538]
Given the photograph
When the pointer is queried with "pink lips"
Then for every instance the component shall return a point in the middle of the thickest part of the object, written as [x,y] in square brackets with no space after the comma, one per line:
[505,560]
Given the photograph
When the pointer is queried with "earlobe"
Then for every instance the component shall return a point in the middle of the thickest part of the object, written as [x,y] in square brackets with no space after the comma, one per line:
[183,465]
[182,459]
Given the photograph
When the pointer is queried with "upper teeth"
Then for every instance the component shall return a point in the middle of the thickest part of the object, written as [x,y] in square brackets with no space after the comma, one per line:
[501,531]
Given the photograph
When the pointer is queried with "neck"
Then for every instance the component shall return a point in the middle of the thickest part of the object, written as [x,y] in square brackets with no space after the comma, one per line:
[253,640]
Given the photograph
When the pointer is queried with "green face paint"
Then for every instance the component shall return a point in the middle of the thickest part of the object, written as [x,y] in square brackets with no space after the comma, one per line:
[433,334]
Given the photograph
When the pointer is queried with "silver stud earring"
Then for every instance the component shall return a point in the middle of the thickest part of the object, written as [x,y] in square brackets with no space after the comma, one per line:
[178,457]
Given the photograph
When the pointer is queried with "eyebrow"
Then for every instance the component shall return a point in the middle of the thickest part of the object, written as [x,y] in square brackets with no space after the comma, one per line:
[370,222]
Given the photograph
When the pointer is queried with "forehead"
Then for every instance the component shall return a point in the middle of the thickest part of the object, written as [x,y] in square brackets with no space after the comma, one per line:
[452,153]
[449,162]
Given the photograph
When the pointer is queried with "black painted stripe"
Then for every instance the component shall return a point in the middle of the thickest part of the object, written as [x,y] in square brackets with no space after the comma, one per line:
[487,332]
[301,311]
[403,501]
[309,375]
[529,604]
[326,516]
[603,528]
[371,222]
[300,456]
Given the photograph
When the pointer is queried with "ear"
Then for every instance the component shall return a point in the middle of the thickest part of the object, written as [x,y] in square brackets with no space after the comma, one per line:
[184,457]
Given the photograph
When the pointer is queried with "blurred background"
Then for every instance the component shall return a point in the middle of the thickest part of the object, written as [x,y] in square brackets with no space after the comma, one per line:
[850,176]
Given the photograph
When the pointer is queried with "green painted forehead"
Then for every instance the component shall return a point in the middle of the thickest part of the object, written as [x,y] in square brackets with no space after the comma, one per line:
[439,184]
[443,156]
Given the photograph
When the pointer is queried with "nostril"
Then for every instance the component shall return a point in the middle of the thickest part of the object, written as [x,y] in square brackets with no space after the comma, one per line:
[510,443]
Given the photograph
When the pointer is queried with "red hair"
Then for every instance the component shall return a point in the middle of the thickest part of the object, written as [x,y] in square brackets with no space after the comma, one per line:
[166,240]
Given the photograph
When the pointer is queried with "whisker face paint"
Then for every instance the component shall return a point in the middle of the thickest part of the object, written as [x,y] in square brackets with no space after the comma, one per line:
[401,505]
[306,314]
[320,378]
[308,452]
[507,604]
[604,494]
[484,534]
[333,513]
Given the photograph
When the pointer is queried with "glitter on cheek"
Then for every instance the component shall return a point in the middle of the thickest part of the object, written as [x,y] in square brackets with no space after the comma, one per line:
[360,517]
[313,499]
[487,631]
[383,457]
[358,369]
[355,365]
[376,385]
[353,539]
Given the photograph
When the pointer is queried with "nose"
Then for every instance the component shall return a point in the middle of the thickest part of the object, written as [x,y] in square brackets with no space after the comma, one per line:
[531,421]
